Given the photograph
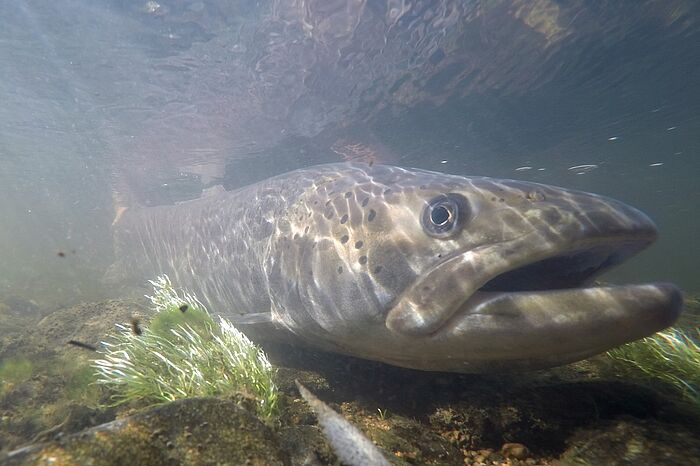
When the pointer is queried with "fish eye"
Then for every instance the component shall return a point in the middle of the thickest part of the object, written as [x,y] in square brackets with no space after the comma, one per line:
[445,215]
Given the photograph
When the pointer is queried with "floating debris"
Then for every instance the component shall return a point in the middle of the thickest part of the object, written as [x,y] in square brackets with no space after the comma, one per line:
[184,308]
[584,168]
[348,442]
[656,164]
[136,326]
[671,128]
[443,161]
[613,138]
[521,169]
[61,254]
[82,345]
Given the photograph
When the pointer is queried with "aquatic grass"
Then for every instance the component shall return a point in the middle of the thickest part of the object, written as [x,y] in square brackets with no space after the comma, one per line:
[183,354]
[15,369]
[672,356]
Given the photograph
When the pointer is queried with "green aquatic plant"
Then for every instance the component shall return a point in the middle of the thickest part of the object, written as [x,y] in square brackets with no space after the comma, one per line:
[15,369]
[672,356]
[183,352]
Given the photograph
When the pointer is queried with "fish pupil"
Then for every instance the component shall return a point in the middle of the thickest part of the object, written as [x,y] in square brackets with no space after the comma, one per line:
[440,215]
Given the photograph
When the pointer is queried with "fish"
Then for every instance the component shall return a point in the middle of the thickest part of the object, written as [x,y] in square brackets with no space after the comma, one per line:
[349,443]
[409,267]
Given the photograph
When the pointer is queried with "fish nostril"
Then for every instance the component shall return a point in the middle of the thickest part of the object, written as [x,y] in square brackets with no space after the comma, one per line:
[535,196]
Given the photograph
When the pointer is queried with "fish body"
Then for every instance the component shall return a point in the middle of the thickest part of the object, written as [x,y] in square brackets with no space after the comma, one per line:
[410,267]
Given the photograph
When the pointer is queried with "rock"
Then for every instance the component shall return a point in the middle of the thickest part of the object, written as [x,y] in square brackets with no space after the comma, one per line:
[514,450]
[194,431]
[631,442]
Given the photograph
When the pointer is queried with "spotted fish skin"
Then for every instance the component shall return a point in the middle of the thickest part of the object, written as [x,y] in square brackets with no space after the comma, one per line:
[410,267]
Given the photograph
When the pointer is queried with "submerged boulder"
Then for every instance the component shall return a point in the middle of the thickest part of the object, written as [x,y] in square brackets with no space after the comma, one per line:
[632,442]
[192,431]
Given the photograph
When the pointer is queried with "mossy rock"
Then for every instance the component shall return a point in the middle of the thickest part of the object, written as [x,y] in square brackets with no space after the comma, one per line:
[43,378]
[632,442]
[15,370]
[193,431]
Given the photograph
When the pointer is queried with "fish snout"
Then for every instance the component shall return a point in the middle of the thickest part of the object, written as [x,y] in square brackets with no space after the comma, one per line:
[576,218]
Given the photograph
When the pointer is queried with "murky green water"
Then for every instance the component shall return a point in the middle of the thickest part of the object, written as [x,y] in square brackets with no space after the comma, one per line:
[148,103]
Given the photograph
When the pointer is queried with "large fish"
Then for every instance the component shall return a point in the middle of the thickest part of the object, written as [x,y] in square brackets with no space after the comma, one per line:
[409,267]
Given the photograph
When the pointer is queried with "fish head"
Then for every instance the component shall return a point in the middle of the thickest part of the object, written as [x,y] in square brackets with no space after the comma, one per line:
[474,274]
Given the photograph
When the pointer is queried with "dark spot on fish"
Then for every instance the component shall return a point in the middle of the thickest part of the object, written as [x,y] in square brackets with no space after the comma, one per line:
[363,260]
[371,162]
[378,269]
[82,345]
[184,308]
[301,217]
[136,326]
[423,187]
[306,230]
[493,199]
[359,244]
[328,202]
[340,270]
[371,215]
[426,288]
[313,245]
[388,191]
[61,254]
[315,202]
[501,200]
[439,256]
[344,239]
[348,195]
[343,219]
[329,214]
[551,216]
[365,201]
[265,230]
[296,235]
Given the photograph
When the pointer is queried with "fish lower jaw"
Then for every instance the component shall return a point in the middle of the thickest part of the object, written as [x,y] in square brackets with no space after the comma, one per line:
[576,320]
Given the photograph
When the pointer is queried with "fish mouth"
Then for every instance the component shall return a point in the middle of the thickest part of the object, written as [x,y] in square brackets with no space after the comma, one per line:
[525,264]
[545,312]
[526,298]
[550,311]
[576,268]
